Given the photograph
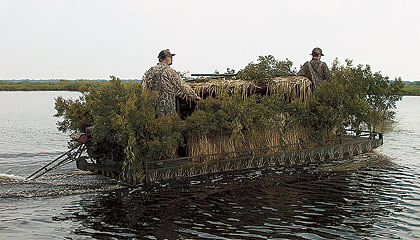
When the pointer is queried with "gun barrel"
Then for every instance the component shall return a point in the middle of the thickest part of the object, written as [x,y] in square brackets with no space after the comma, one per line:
[211,75]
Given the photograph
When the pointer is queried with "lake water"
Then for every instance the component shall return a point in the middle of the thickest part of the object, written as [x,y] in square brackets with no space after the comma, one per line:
[372,196]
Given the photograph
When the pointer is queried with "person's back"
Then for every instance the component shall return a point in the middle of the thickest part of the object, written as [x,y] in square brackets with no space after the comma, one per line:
[314,69]
[153,77]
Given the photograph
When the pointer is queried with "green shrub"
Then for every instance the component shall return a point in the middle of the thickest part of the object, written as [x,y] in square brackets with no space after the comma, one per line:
[369,97]
[265,69]
[124,120]
[235,117]
[75,114]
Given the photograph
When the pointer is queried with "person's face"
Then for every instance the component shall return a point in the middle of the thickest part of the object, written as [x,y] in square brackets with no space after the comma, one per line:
[169,59]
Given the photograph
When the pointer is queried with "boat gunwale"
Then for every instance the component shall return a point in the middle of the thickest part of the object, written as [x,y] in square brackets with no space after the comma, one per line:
[301,146]
[327,152]
[155,170]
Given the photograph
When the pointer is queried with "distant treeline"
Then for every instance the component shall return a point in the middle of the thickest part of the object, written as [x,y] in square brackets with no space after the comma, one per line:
[60,85]
[410,88]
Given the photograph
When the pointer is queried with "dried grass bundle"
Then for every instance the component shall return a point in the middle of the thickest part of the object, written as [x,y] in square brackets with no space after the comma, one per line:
[218,86]
[203,145]
[294,87]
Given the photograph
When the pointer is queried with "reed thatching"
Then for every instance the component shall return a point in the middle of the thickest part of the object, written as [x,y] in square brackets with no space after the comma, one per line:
[293,87]
[217,86]
[295,135]
[203,145]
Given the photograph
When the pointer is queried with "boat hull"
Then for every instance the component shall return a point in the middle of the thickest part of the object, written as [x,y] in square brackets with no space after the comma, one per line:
[199,165]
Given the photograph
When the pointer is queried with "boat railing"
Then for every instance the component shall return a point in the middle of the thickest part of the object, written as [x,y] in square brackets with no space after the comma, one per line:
[229,158]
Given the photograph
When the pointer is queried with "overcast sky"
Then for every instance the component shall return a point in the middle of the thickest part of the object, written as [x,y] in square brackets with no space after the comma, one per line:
[93,39]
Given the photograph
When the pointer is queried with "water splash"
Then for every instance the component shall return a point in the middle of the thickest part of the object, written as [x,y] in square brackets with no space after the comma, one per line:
[11,177]
[62,184]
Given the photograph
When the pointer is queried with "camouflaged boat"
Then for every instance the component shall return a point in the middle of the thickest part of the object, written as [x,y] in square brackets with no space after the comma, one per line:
[214,154]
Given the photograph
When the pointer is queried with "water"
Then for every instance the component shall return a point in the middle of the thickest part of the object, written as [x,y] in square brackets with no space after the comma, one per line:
[367,197]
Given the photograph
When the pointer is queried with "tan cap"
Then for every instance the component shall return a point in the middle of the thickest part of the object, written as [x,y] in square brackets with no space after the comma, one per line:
[165,53]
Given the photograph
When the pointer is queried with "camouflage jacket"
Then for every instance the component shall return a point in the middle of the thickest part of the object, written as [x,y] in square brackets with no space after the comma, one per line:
[316,71]
[169,85]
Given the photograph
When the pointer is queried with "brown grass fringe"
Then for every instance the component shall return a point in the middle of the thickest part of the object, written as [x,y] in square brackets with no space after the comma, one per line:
[294,87]
[203,145]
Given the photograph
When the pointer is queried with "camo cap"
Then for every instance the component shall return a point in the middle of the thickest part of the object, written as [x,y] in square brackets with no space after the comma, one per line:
[165,53]
[316,51]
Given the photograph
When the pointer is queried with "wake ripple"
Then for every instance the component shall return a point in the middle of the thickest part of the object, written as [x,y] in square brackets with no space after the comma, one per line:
[73,183]
[374,199]
[30,155]
[11,177]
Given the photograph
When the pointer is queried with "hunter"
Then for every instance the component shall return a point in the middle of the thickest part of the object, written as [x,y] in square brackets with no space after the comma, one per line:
[167,82]
[315,70]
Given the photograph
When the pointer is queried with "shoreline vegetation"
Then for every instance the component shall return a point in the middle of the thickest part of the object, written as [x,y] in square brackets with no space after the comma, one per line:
[409,89]
[48,85]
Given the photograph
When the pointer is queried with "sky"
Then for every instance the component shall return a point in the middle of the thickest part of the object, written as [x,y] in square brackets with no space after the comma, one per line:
[93,39]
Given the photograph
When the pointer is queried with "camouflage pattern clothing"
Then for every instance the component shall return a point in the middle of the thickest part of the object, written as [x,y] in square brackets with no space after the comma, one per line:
[168,83]
[316,71]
